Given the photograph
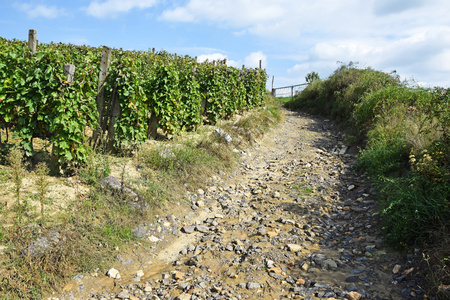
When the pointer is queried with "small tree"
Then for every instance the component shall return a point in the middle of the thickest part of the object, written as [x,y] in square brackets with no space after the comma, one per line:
[14,159]
[312,76]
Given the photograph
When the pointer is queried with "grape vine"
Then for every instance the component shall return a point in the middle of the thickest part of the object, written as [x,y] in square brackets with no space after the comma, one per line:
[144,90]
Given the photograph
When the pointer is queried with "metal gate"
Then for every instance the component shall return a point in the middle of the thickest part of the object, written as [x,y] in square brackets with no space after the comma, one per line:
[288,91]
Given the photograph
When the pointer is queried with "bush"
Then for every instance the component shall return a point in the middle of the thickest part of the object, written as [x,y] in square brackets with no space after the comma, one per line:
[413,209]
[406,148]
[337,95]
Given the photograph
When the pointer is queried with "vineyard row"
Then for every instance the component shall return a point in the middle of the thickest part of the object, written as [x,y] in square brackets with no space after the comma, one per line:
[138,92]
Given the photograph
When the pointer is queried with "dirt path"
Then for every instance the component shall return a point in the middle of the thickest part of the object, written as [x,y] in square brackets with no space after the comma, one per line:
[294,222]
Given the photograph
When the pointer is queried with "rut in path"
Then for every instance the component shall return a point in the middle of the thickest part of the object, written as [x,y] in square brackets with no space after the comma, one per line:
[295,221]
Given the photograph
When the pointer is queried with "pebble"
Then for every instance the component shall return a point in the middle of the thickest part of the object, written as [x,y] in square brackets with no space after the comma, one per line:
[353,296]
[253,285]
[396,269]
[153,239]
[329,264]
[201,228]
[352,279]
[113,273]
[282,230]
[188,229]
[294,247]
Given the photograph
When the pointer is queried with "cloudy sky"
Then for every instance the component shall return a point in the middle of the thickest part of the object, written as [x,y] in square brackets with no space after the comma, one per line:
[292,37]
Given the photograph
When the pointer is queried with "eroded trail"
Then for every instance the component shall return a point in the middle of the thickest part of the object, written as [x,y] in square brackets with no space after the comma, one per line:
[294,221]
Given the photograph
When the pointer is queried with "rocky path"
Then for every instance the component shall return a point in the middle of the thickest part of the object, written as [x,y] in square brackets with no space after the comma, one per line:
[295,221]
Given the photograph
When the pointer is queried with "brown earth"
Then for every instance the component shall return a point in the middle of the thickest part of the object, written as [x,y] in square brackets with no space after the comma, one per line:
[295,221]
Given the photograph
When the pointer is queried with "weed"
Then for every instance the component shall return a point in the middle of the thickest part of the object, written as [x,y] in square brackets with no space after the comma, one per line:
[403,134]
[15,159]
[96,168]
[42,183]
[302,188]
[97,221]
[436,265]
[4,176]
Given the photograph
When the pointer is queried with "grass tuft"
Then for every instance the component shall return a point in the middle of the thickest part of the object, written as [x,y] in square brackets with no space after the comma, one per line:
[162,173]
[42,183]
[15,160]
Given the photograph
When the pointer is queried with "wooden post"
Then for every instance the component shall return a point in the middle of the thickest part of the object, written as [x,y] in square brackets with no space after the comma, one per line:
[69,71]
[292,91]
[115,112]
[260,63]
[104,70]
[152,126]
[32,40]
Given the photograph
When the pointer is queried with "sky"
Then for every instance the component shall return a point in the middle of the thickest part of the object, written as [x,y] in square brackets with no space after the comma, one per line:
[291,37]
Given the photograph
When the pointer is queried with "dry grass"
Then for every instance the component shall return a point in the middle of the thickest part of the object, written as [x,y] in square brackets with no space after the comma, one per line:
[91,221]
[436,265]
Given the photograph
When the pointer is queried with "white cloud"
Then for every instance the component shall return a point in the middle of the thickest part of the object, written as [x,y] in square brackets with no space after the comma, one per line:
[110,8]
[211,57]
[424,53]
[36,11]
[216,57]
[410,36]
[230,12]
[252,61]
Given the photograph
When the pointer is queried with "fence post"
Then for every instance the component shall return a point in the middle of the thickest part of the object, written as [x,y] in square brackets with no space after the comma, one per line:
[69,71]
[32,40]
[292,91]
[115,112]
[260,63]
[273,90]
[104,70]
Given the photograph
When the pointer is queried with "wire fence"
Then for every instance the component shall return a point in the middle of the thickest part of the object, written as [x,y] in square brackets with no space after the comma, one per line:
[288,91]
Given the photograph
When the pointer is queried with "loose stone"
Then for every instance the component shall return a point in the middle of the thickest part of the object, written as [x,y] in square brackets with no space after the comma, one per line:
[113,273]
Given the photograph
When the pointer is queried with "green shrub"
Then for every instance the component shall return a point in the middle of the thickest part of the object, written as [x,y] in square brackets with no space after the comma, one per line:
[337,95]
[407,157]
[385,159]
[413,208]
[406,148]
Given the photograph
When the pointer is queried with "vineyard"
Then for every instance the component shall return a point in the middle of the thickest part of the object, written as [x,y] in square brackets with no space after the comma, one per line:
[137,93]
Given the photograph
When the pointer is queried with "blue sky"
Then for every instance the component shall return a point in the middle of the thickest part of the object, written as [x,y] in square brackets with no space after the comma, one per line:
[292,37]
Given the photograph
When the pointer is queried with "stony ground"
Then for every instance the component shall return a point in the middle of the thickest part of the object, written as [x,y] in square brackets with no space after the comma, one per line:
[295,221]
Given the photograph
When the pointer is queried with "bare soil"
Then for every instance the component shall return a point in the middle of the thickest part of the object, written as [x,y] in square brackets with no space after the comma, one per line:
[294,221]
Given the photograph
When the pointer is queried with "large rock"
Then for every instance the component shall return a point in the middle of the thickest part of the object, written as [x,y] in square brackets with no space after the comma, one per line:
[224,135]
[42,245]
[115,185]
